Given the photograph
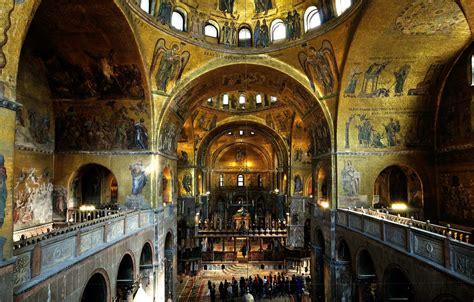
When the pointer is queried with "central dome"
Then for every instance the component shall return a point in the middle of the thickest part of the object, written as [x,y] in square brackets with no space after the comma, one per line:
[241,23]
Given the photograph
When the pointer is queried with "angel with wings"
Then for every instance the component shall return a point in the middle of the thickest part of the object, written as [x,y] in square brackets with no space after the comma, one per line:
[171,66]
[320,67]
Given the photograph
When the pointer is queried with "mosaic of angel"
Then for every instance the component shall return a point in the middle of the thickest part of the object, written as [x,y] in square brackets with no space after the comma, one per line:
[171,64]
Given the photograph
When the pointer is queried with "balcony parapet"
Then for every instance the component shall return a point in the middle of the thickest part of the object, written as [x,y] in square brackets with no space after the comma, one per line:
[444,248]
[260,233]
[40,257]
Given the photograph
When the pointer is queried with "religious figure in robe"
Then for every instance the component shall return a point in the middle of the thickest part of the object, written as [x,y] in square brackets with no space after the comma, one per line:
[226,6]
[263,5]
[139,178]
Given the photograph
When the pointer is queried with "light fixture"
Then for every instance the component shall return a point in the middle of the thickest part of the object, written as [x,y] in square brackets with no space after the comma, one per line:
[399,206]
[87,208]
[324,204]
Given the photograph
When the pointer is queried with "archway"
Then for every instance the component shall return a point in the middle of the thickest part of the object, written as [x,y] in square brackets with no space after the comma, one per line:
[343,272]
[399,185]
[308,188]
[397,286]
[322,187]
[94,184]
[166,186]
[96,289]
[126,286]
[318,283]
[366,277]
[168,263]
[146,269]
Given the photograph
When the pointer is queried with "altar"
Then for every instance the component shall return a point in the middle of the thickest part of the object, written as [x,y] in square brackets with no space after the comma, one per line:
[241,220]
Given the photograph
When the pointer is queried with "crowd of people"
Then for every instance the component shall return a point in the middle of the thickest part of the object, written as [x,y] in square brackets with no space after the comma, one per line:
[268,287]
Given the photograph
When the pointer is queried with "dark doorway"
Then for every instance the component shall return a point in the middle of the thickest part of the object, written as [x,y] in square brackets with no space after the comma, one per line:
[96,289]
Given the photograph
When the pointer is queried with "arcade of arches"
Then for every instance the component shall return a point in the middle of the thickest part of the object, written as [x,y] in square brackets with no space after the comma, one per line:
[150,146]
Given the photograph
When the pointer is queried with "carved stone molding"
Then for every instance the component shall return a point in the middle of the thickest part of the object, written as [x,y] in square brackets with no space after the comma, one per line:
[5,16]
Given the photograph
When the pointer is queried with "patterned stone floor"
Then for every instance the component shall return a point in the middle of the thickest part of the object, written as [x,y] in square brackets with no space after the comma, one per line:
[192,289]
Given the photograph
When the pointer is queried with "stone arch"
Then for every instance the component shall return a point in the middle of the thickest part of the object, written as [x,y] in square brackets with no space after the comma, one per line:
[366,276]
[97,288]
[146,268]
[400,183]
[166,183]
[396,285]
[178,97]
[126,276]
[169,251]
[89,172]
[319,266]
[343,271]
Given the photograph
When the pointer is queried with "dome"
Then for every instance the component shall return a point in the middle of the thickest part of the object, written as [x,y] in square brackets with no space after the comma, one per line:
[249,24]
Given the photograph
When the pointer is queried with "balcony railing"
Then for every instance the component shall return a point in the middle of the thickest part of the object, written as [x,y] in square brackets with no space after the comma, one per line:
[445,248]
[455,234]
[61,248]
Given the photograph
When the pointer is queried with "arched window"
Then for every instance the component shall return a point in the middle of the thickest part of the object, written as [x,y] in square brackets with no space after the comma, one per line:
[472,70]
[342,6]
[259,181]
[240,180]
[178,21]
[225,100]
[273,99]
[311,18]
[145,5]
[221,180]
[258,99]
[245,37]
[242,99]
[211,30]
[278,30]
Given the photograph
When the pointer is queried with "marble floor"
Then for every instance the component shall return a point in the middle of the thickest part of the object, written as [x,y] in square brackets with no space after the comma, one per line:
[191,289]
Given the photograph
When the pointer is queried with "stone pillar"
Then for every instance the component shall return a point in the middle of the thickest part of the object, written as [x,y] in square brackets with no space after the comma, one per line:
[7,150]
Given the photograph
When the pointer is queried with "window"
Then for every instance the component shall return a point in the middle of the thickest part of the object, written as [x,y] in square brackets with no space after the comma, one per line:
[258,99]
[177,21]
[259,181]
[225,100]
[241,132]
[145,5]
[342,6]
[278,30]
[311,18]
[240,180]
[242,99]
[273,99]
[221,180]
[245,37]
[211,30]
[209,100]
[472,70]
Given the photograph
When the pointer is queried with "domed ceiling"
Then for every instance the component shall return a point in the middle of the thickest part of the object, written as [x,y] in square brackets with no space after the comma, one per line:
[244,11]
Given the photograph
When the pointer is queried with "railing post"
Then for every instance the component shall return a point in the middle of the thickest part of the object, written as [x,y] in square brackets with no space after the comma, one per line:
[125,224]
[36,260]
[447,252]
[409,239]
[78,243]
